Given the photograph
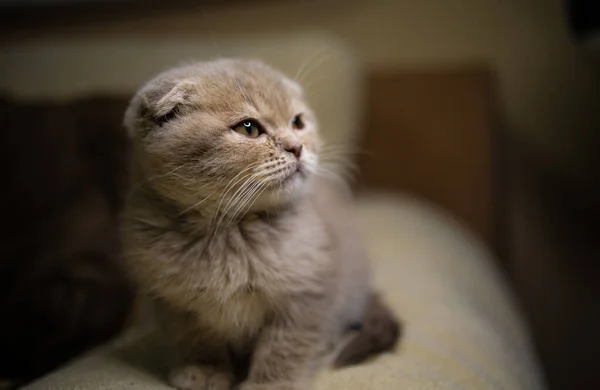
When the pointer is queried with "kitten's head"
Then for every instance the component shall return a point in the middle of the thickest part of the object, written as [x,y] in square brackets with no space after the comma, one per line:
[228,132]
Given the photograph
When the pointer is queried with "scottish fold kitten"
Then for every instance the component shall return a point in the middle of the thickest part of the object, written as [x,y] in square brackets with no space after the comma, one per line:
[251,259]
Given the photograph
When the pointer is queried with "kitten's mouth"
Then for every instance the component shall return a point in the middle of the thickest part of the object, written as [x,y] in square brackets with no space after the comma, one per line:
[289,178]
[299,171]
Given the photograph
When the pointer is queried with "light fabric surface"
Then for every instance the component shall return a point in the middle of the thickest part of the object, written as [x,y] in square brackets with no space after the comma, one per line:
[462,329]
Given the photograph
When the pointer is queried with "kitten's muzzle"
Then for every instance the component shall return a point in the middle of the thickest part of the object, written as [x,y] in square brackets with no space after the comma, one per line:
[295,149]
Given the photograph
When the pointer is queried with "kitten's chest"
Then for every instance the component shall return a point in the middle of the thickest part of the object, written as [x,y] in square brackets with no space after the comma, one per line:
[244,270]
[247,275]
[258,268]
[238,317]
[268,258]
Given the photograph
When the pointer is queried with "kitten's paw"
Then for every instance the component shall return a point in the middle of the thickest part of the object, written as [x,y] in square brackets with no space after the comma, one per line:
[270,386]
[199,377]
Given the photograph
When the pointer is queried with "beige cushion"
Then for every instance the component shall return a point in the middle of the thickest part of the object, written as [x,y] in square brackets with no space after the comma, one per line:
[462,329]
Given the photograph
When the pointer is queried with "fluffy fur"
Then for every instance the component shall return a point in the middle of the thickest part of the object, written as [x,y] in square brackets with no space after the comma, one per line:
[250,259]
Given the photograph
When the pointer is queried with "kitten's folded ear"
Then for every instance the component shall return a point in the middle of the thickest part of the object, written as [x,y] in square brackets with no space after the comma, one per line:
[157,104]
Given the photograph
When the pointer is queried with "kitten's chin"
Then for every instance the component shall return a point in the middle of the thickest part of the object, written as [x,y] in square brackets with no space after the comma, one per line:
[286,191]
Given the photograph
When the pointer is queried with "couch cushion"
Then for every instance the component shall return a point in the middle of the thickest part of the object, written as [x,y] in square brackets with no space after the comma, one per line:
[462,328]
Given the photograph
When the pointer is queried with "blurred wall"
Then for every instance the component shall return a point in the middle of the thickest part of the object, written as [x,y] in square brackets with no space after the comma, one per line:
[545,83]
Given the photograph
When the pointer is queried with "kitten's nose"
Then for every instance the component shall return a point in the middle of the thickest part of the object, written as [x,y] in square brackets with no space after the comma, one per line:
[295,149]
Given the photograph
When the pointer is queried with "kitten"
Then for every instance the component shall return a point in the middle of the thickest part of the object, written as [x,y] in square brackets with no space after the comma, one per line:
[251,260]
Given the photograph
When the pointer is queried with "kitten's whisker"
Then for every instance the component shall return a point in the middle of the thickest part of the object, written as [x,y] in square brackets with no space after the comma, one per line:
[154,177]
[244,195]
[250,200]
[336,156]
[341,165]
[339,157]
[256,166]
[324,172]
[267,182]
[339,154]
[250,194]
[242,187]
[196,204]
[232,184]
[246,198]
[345,175]
[342,150]
[138,185]
[350,149]
[298,77]
[233,206]
[219,218]
[259,193]
[316,66]
[245,96]
[337,168]
[235,197]
[246,176]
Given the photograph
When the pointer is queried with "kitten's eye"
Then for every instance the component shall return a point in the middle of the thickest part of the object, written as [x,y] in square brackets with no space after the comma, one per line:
[297,122]
[249,128]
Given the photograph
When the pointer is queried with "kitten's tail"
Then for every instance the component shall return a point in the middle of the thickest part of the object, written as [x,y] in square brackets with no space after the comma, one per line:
[379,333]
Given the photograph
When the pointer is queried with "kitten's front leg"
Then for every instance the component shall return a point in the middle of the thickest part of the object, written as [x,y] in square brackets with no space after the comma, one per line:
[200,377]
[201,360]
[289,353]
[201,366]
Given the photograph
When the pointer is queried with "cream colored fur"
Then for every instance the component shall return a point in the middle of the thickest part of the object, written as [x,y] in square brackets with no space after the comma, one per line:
[245,251]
